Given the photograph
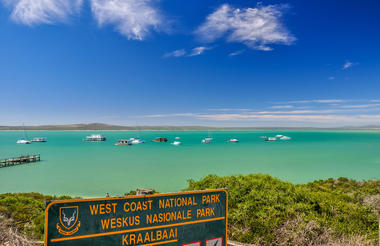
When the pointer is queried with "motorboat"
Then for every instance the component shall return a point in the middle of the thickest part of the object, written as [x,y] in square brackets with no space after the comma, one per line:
[285,138]
[123,142]
[95,138]
[159,140]
[23,141]
[233,140]
[136,141]
[39,140]
[207,140]
[176,143]
[279,136]
[270,139]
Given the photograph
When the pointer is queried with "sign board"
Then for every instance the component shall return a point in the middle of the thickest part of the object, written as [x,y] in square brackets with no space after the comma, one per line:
[195,218]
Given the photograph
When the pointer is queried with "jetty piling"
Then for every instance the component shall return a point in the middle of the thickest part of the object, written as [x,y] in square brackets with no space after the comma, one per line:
[24,159]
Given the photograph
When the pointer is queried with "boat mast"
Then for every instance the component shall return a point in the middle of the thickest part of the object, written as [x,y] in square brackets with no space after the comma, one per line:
[139,130]
[25,135]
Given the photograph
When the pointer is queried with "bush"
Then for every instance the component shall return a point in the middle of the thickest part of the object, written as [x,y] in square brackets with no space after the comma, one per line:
[259,205]
[25,212]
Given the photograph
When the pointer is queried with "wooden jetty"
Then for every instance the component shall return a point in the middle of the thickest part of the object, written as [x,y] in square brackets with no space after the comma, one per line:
[24,159]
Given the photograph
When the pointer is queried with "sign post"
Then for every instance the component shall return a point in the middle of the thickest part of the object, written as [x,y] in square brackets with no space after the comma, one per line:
[194,218]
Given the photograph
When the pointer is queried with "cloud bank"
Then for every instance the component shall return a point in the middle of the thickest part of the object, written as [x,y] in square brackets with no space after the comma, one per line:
[257,28]
[324,112]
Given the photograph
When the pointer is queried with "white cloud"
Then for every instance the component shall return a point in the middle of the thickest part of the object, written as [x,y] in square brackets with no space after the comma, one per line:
[312,111]
[282,106]
[331,78]
[170,115]
[329,101]
[132,18]
[325,119]
[319,101]
[176,53]
[33,12]
[236,53]
[348,64]
[198,50]
[255,27]
[182,52]
[361,106]
[229,109]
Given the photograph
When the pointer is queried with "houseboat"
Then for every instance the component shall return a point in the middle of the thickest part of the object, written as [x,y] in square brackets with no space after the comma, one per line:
[159,139]
[123,142]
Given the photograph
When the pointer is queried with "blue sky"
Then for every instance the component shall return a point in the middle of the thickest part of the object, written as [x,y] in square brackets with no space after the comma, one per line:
[199,62]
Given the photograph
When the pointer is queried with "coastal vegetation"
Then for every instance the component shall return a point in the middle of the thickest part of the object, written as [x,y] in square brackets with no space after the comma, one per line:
[23,214]
[267,211]
[263,210]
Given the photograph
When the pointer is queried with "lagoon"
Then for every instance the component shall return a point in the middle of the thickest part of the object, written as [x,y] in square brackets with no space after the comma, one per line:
[90,169]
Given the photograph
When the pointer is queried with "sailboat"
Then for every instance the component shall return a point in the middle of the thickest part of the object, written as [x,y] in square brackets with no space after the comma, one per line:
[208,139]
[24,140]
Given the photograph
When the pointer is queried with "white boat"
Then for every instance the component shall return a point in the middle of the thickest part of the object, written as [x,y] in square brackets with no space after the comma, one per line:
[95,138]
[176,143]
[23,141]
[123,142]
[136,141]
[233,140]
[207,140]
[39,140]
[279,136]
[271,139]
[285,138]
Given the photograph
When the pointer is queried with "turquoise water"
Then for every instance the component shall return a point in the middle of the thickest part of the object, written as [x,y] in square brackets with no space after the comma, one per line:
[89,169]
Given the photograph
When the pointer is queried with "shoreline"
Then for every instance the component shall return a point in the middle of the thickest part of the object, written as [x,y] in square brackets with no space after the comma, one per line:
[181,190]
[194,130]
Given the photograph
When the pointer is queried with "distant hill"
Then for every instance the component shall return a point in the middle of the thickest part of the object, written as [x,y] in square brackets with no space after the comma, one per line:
[100,126]
[107,127]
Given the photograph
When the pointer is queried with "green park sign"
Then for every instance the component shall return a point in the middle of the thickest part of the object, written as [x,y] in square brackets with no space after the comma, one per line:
[194,218]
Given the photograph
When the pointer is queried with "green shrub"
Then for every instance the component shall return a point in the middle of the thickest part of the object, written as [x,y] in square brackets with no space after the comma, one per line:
[26,212]
[260,204]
